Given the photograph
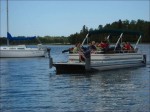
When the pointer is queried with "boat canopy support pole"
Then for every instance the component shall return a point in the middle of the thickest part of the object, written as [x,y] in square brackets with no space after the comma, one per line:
[137,42]
[108,38]
[85,39]
[7,24]
[118,41]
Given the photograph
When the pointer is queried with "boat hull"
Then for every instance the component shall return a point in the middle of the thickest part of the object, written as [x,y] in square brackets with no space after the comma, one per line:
[69,68]
[102,62]
[112,66]
[21,52]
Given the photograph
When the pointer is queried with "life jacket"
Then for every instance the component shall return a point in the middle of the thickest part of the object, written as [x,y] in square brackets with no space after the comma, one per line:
[103,45]
[127,46]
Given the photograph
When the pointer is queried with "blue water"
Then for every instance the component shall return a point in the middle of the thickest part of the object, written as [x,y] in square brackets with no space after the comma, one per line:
[28,85]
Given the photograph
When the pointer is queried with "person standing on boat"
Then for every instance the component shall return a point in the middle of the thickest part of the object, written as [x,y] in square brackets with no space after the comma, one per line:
[80,51]
[86,52]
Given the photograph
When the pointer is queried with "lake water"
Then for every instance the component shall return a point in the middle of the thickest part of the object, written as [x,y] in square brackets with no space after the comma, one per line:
[28,85]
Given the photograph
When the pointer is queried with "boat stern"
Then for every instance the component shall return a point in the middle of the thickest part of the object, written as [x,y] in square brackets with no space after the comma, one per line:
[62,68]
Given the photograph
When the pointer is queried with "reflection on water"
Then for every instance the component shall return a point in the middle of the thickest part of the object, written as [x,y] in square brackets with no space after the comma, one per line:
[27,84]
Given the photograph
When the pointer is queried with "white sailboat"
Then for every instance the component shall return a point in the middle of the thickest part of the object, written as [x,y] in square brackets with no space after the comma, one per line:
[20,51]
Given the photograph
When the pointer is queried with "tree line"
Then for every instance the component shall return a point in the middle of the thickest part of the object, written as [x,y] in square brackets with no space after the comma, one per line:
[139,25]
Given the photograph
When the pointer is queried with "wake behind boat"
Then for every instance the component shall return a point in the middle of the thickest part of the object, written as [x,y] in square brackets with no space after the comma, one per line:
[112,58]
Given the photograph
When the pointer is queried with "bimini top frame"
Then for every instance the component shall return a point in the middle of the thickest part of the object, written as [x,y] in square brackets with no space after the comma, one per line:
[114,32]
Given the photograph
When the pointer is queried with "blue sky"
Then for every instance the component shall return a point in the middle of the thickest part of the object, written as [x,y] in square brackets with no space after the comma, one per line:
[62,18]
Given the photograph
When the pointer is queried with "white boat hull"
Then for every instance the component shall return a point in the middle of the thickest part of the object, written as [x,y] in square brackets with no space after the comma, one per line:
[21,52]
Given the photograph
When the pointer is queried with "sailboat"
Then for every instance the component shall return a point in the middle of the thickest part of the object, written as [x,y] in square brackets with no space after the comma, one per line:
[21,51]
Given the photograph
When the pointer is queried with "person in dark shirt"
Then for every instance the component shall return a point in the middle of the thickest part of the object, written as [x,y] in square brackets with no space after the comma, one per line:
[85,53]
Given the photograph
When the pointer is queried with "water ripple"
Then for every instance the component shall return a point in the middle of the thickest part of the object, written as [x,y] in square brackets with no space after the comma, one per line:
[28,85]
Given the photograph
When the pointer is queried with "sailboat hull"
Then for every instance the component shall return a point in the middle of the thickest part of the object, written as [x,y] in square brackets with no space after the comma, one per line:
[20,52]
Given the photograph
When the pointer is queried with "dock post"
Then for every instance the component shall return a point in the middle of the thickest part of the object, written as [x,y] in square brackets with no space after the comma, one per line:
[88,62]
[50,58]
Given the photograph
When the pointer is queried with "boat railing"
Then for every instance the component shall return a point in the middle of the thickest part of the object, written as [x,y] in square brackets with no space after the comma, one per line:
[112,51]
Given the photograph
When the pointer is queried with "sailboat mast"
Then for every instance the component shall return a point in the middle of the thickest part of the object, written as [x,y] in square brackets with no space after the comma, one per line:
[7,23]
[0,18]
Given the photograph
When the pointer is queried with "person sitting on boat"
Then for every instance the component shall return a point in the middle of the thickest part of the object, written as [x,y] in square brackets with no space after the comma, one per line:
[104,45]
[127,47]
[131,47]
[68,50]
[77,48]
[72,49]
[97,47]
[92,47]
